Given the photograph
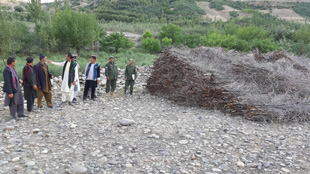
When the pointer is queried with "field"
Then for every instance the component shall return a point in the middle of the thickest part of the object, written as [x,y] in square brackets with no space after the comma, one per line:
[215,15]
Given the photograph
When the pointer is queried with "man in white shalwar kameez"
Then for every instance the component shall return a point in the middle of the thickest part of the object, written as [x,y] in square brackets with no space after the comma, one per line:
[69,78]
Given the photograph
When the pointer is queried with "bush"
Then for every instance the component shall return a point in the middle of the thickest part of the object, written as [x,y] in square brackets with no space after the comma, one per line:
[302,35]
[233,14]
[152,45]
[18,9]
[147,34]
[217,5]
[166,42]
[194,40]
[170,31]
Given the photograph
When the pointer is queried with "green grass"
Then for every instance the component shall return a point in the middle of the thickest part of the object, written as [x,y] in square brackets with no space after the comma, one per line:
[138,28]
[155,28]
[121,60]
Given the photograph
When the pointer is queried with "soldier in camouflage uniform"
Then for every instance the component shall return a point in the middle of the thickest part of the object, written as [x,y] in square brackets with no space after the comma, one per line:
[111,72]
[130,76]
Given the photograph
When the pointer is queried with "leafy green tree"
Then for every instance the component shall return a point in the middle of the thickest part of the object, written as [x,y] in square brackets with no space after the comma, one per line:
[152,45]
[166,42]
[5,36]
[171,31]
[12,36]
[76,29]
[116,41]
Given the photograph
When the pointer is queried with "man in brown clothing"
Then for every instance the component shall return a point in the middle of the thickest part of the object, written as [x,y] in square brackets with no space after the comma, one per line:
[44,82]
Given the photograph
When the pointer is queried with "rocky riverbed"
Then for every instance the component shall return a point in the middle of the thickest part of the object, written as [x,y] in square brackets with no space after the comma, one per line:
[146,134]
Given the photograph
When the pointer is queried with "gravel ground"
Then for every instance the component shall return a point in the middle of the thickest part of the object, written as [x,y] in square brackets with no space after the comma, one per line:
[146,134]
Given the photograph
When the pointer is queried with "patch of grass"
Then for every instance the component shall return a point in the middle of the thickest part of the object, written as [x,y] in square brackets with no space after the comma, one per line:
[138,28]
[121,60]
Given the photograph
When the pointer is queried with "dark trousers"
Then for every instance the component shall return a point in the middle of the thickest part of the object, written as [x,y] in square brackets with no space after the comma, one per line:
[131,83]
[90,84]
[111,85]
[30,103]
[16,108]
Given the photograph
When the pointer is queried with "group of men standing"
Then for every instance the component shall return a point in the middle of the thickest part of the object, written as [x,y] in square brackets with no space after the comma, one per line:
[36,81]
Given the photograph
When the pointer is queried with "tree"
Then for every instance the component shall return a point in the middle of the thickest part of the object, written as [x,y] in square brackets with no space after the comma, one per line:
[170,31]
[152,45]
[166,42]
[116,41]
[76,29]
[5,36]
[12,35]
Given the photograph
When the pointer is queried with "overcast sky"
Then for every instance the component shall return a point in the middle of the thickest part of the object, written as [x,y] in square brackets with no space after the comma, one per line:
[44,1]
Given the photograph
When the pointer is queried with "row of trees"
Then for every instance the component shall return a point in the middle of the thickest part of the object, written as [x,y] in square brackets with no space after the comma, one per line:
[56,30]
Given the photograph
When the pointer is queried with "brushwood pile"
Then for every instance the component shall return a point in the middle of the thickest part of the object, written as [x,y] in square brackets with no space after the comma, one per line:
[271,87]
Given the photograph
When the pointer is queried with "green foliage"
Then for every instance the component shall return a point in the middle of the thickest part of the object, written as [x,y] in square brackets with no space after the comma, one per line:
[77,29]
[302,35]
[152,45]
[13,36]
[110,15]
[116,41]
[250,11]
[233,14]
[194,40]
[147,34]
[166,42]
[302,9]
[145,10]
[18,9]
[217,5]
[243,39]
[171,31]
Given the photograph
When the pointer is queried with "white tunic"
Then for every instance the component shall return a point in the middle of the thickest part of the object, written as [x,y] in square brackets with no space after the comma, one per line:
[64,85]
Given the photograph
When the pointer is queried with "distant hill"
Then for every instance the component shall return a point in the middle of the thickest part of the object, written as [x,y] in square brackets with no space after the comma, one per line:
[181,10]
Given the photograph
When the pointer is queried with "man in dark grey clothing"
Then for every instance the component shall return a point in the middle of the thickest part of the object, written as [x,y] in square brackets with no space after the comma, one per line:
[30,84]
[13,94]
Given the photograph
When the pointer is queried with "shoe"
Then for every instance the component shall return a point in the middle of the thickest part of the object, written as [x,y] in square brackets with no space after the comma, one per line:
[70,103]
[23,115]
[16,118]
[74,100]
[40,107]
[51,107]
[93,99]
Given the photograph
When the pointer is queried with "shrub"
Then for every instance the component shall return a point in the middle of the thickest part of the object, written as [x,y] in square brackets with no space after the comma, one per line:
[171,31]
[18,9]
[233,14]
[166,42]
[147,34]
[152,45]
